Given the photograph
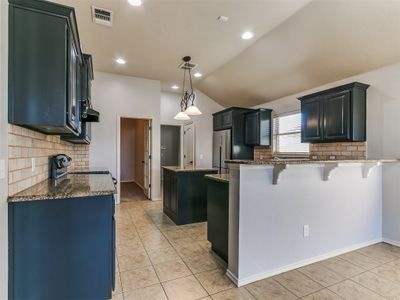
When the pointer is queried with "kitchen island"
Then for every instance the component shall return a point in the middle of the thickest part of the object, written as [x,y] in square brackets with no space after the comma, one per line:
[287,214]
[184,193]
[62,239]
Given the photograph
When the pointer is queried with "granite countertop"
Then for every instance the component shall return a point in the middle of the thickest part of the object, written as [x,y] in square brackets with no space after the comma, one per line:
[70,186]
[218,177]
[306,161]
[90,170]
[188,169]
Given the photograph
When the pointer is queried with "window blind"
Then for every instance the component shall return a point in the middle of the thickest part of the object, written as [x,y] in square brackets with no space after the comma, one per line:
[287,134]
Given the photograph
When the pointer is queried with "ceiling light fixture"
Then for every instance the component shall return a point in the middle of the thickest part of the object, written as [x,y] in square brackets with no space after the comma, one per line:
[120,61]
[247,35]
[197,74]
[135,2]
[174,87]
[188,96]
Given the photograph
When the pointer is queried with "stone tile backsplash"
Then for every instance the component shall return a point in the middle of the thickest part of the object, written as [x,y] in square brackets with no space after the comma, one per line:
[262,153]
[25,144]
[338,151]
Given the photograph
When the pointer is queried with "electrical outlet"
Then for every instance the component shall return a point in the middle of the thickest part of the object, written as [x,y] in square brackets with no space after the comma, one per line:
[33,164]
[306,230]
[2,168]
[201,156]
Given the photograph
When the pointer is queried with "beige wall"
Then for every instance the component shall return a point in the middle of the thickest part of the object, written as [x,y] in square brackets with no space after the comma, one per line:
[25,144]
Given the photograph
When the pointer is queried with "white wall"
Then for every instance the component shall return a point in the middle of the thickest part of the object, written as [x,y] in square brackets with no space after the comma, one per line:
[383,137]
[170,105]
[115,96]
[3,148]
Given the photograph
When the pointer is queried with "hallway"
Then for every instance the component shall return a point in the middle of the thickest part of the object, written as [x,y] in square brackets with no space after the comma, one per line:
[130,191]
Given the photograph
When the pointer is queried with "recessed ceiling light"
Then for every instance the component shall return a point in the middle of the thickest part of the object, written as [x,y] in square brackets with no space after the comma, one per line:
[120,61]
[197,74]
[247,35]
[174,87]
[135,2]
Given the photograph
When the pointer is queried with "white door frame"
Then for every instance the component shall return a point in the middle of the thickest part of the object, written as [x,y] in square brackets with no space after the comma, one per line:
[118,175]
[191,122]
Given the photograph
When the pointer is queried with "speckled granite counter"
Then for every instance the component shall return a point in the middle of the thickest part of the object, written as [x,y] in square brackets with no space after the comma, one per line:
[71,186]
[188,169]
[306,161]
[218,177]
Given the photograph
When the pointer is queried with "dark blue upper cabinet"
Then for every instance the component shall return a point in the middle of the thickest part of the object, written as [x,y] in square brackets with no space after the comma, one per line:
[258,127]
[335,115]
[44,60]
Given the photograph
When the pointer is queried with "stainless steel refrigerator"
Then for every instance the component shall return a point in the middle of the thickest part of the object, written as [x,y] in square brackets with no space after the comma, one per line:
[222,148]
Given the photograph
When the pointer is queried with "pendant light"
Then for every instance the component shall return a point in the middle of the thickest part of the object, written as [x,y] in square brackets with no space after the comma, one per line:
[188,108]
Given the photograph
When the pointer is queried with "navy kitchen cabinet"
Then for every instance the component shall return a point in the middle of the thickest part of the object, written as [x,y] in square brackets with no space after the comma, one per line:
[44,59]
[218,216]
[62,249]
[258,127]
[335,115]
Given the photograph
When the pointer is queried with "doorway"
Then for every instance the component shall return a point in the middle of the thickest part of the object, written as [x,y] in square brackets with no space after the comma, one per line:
[170,145]
[188,144]
[135,159]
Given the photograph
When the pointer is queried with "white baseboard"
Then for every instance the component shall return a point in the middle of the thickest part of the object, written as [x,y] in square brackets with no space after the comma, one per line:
[391,242]
[243,281]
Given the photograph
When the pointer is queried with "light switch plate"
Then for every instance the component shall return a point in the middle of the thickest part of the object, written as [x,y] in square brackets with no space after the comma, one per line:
[2,168]
[33,160]
[306,230]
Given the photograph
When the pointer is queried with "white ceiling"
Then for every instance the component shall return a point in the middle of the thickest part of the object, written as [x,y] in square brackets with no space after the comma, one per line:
[298,44]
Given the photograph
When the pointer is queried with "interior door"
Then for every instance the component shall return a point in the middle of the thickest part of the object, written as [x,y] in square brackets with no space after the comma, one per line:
[170,145]
[188,144]
[147,159]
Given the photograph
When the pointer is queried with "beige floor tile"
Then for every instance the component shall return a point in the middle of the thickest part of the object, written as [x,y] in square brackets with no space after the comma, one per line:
[379,254]
[353,291]
[155,241]
[342,267]
[379,285]
[186,288]
[269,289]
[390,271]
[324,294]
[162,255]
[206,245]
[138,278]
[298,283]
[319,273]
[172,270]
[214,281]
[360,260]
[190,250]
[118,284]
[393,250]
[233,294]
[201,263]
[132,261]
[134,247]
[154,292]
[119,296]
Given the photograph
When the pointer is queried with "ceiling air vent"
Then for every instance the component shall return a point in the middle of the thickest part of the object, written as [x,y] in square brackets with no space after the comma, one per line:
[102,16]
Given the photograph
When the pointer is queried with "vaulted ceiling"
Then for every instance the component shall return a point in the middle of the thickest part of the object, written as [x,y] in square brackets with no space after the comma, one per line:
[297,44]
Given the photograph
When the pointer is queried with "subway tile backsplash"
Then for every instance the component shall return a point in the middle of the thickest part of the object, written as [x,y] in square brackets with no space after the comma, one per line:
[25,145]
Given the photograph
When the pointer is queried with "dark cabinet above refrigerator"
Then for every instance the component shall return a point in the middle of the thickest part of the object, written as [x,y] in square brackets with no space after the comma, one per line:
[335,115]
[258,127]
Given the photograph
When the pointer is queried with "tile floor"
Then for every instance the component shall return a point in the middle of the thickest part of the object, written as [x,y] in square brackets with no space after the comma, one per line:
[158,260]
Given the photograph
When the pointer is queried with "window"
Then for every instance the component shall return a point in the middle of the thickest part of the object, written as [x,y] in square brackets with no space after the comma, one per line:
[287,135]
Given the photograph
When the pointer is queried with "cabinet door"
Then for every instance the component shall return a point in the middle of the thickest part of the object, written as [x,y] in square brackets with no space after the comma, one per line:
[252,129]
[337,116]
[217,122]
[174,195]
[311,120]
[227,120]
[167,190]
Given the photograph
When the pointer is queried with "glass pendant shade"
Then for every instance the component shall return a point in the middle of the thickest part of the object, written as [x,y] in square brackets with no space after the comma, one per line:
[181,116]
[193,110]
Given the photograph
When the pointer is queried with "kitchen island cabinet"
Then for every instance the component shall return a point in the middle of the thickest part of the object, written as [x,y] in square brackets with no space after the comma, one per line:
[184,194]
[62,239]
[218,213]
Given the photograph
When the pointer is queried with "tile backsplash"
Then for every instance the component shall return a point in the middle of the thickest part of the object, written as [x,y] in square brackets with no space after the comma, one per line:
[339,151]
[262,153]
[24,145]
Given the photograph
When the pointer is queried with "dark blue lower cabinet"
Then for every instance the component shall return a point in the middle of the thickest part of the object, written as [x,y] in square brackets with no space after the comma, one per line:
[62,249]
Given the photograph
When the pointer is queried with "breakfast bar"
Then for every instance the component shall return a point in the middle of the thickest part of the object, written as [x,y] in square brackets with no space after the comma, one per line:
[310,203]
